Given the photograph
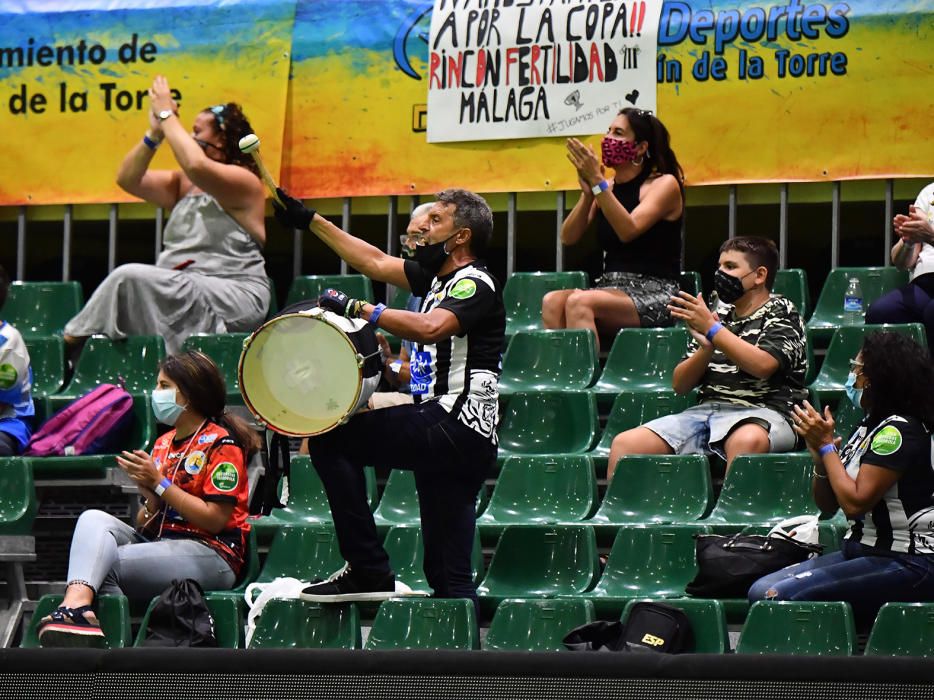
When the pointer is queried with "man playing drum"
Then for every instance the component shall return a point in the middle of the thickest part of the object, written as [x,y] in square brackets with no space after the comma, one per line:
[448,436]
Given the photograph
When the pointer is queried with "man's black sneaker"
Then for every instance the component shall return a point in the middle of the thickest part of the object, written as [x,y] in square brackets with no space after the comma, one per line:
[346,587]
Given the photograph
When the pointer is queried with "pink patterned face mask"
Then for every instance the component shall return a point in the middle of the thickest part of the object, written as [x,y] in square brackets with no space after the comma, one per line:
[615,152]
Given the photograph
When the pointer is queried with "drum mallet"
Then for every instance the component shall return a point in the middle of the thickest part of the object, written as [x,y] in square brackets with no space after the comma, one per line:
[250,144]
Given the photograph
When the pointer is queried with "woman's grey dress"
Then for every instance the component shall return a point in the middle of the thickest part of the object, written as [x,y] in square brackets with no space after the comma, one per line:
[224,289]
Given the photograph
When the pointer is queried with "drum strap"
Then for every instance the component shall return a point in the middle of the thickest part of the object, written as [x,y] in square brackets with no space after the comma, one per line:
[276,460]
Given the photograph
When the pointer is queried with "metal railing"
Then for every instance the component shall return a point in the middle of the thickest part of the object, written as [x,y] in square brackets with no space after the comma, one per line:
[512,215]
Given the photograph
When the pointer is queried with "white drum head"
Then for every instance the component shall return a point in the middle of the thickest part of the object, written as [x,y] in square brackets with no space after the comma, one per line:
[299,374]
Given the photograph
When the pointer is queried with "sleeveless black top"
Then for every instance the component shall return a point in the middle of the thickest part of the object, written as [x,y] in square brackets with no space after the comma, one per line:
[656,252]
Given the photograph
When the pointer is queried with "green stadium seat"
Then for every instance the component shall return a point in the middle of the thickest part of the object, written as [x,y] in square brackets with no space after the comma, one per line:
[42,308]
[549,361]
[307,502]
[653,561]
[630,410]
[228,626]
[297,624]
[902,629]
[845,345]
[655,489]
[541,489]
[133,361]
[47,359]
[425,623]
[828,313]
[523,294]
[225,350]
[141,436]
[641,360]
[794,627]
[311,287]
[535,625]
[793,285]
[403,544]
[764,488]
[532,561]
[18,503]
[113,611]
[399,503]
[708,623]
[305,552]
[690,282]
[552,422]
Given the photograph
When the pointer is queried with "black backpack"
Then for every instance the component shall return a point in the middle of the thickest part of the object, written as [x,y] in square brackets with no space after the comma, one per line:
[650,627]
[181,618]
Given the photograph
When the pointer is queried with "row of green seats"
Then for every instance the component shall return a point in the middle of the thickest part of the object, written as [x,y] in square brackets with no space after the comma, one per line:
[812,628]
[553,489]
[524,291]
[642,360]
[309,552]
[43,308]
[806,628]
[114,614]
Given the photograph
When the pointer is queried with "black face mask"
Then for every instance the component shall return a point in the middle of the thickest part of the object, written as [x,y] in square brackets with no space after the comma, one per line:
[729,288]
[431,257]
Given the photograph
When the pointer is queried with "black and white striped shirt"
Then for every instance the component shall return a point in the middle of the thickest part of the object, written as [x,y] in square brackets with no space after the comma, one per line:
[903,519]
[462,372]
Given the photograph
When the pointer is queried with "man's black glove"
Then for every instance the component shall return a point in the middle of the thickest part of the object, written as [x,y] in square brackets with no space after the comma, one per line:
[341,304]
[292,213]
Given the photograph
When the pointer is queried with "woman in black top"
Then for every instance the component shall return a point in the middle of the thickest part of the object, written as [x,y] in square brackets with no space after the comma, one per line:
[882,479]
[638,217]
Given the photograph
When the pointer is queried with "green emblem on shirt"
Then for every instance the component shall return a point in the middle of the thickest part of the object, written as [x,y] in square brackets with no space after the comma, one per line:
[225,477]
[464,289]
[886,441]
[8,376]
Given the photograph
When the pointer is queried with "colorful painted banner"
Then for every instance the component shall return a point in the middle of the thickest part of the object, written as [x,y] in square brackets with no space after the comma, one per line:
[783,91]
[790,90]
[536,68]
[74,80]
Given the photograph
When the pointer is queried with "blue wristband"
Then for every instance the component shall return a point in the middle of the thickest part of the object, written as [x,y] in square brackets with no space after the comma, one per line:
[162,486]
[824,449]
[714,329]
[150,144]
[376,313]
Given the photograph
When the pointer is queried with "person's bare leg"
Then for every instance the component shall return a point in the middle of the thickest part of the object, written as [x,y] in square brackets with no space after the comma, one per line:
[553,304]
[638,441]
[748,438]
[597,310]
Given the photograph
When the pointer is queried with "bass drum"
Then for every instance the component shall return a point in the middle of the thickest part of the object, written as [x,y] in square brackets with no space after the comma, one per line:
[307,370]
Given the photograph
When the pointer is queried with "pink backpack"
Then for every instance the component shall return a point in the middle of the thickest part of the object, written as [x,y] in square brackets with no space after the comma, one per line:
[95,423]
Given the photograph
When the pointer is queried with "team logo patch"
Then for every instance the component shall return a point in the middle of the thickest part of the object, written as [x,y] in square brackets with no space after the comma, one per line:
[225,477]
[464,289]
[194,462]
[420,370]
[887,441]
[8,376]
[206,438]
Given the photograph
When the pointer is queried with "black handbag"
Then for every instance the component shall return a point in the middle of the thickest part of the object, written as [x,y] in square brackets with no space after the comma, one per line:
[729,564]
[181,618]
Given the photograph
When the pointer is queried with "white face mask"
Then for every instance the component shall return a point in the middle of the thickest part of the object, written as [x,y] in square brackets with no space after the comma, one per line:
[164,407]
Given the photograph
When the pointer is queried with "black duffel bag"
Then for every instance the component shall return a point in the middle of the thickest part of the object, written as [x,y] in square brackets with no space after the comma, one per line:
[727,565]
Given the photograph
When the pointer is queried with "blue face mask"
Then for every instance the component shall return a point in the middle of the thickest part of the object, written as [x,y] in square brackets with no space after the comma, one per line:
[852,393]
[164,407]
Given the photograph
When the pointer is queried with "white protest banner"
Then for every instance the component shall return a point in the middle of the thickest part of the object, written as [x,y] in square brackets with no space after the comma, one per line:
[508,69]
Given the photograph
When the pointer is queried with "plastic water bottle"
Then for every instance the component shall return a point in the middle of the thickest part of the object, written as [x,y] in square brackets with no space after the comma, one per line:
[853,302]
